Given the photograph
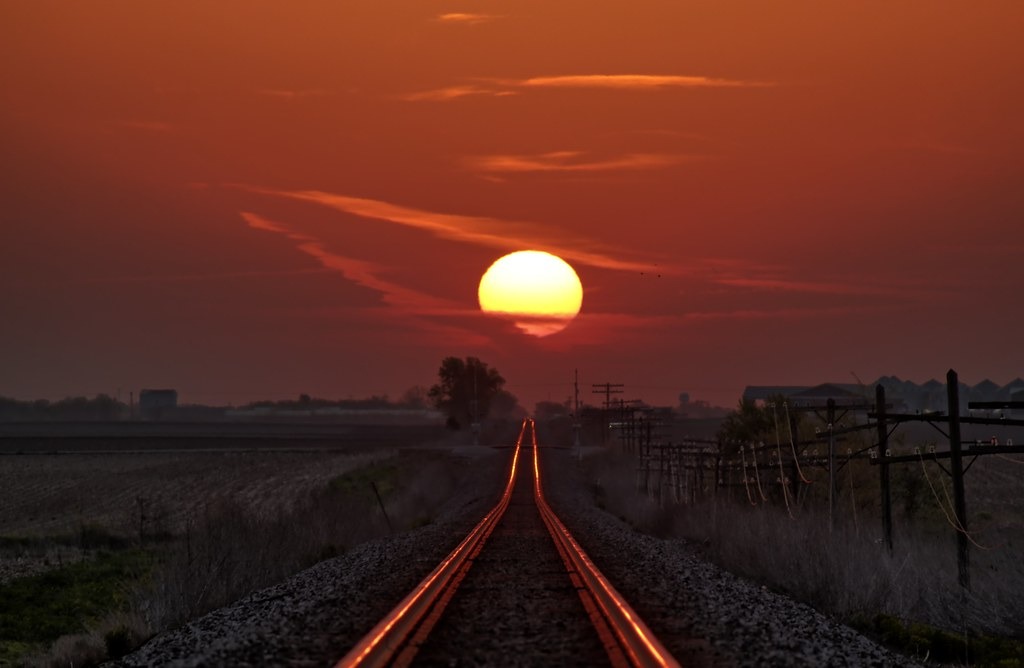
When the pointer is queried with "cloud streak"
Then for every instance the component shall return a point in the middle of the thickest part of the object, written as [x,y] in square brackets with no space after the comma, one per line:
[455,92]
[466,18]
[185,278]
[360,272]
[399,302]
[627,82]
[288,94]
[635,82]
[477,230]
[849,288]
[572,161]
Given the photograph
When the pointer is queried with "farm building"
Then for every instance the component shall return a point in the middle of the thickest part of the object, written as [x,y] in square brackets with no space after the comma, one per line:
[157,404]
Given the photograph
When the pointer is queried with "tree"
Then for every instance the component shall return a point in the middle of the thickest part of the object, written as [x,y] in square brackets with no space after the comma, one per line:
[545,411]
[749,423]
[466,390]
[416,396]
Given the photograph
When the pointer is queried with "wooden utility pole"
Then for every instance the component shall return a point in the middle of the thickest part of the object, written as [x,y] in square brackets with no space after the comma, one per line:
[831,408]
[963,554]
[576,414]
[607,389]
[883,453]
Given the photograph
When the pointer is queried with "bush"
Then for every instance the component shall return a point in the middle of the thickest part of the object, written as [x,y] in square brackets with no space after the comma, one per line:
[846,572]
[38,610]
[119,641]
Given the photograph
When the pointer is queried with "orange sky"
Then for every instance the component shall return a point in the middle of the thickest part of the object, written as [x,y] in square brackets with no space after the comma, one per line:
[249,199]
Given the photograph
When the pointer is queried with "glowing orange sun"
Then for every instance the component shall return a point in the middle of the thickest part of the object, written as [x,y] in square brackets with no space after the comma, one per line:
[538,291]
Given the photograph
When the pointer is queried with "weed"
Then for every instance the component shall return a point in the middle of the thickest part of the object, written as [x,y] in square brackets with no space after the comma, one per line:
[938,645]
[37,610]
[845,571]
[119,641]
[224,546]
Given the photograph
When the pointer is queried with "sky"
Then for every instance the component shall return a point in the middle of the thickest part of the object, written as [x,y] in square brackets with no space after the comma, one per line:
[248,199]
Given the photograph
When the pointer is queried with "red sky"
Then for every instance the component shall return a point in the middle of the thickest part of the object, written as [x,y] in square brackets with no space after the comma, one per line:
[250,199]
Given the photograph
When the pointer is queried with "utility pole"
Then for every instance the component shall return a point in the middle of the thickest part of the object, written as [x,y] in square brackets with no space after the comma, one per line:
[963,554]
[831,407]
[883,465]
[473,407]
[576,414]
[607,389]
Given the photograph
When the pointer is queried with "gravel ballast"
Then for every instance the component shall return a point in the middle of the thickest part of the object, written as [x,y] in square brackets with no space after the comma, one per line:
[313,618]
[683,597]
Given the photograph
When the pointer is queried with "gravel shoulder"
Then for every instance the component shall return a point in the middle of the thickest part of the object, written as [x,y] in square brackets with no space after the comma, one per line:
[683,598]
[313,618]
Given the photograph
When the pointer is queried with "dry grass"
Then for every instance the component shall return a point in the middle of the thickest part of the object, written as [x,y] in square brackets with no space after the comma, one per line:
[220,525]
[846,571]
[46,495]
[112,637]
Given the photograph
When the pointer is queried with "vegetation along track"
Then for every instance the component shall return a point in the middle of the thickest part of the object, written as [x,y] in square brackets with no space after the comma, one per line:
[518,590]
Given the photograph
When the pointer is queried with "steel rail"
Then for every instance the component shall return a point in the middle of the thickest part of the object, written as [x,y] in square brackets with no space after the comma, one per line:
[393,640]
[627,639]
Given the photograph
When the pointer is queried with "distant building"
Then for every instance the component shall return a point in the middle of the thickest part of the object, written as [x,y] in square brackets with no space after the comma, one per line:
[157,404]
[819,395]
[1018,396]
[762,393]
[903,396]
[807,397]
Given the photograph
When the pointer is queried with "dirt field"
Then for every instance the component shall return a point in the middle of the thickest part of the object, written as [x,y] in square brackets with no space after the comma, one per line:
[51,495]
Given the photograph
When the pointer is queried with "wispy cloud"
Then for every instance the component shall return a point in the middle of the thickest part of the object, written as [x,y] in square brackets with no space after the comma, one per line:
[783,285]
[397,301]
[477,230]
[360,272]
[189,278]
[499,87]
[289,94]
[260,223]
[466,18]
[572,161]
[635,81]
[827,287]
[590,328]
[455,92]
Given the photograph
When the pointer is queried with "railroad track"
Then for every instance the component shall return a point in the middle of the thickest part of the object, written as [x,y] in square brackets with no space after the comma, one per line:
[518,590]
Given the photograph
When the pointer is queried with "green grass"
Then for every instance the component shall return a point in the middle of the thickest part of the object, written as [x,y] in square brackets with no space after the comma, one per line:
[941,646]
[36,610]
[385,475]
[88,537]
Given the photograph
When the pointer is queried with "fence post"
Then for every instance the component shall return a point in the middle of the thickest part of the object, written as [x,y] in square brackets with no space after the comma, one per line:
[963,555]
[831,464]
[883,465]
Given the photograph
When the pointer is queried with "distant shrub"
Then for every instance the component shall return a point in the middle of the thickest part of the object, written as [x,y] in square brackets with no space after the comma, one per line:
[846,571]
[119,641]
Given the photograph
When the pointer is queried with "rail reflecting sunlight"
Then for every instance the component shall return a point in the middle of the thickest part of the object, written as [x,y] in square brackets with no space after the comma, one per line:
[624,636]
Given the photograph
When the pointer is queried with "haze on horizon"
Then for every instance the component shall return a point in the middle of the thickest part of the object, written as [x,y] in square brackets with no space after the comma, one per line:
[241,200]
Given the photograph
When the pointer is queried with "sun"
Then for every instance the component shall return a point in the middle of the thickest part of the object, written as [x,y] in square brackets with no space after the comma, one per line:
[538,291]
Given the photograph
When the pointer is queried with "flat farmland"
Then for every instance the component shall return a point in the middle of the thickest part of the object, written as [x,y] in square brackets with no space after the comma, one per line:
[57,494]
